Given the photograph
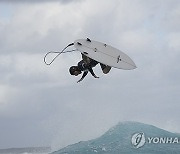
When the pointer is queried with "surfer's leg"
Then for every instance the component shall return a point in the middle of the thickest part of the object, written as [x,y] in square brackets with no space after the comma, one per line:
[105,68]
[86,59]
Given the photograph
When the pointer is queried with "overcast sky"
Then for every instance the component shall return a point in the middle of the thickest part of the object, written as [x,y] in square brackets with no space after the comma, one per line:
[43,105]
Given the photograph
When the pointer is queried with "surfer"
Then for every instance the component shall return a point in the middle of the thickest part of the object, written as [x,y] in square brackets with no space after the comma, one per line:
[106,55]
[86,65]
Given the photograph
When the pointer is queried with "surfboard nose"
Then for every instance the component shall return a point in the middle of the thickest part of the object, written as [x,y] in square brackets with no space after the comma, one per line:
[133,65]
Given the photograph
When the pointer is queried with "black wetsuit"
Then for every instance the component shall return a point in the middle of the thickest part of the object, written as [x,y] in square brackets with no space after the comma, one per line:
[83,66]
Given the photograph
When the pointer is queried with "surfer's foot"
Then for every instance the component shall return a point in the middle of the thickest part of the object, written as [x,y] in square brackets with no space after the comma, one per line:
[106,69]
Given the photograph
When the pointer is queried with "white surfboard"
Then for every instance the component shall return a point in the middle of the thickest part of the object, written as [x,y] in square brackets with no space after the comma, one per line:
[104,54]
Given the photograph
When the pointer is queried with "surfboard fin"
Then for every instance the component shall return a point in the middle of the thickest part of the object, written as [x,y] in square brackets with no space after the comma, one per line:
[85,53]
[79,43]
[88,40]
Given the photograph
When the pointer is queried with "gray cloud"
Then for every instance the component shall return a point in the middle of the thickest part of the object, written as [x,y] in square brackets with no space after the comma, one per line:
[39,1]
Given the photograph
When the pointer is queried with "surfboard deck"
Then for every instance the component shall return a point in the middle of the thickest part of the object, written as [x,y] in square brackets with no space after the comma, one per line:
[104,54]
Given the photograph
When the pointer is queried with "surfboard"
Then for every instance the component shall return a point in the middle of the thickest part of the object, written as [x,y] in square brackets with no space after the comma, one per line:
[104,54]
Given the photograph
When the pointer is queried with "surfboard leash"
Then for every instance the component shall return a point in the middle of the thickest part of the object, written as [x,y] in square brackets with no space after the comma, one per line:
[58,53]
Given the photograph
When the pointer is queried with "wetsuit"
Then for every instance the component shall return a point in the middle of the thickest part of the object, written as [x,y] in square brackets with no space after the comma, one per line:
[85,67]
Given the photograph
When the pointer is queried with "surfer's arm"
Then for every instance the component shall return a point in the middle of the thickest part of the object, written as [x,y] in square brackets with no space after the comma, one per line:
[83,76]
[92,72]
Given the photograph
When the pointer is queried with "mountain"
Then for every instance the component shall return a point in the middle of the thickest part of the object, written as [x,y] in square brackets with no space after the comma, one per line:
[27,150]
[128,138]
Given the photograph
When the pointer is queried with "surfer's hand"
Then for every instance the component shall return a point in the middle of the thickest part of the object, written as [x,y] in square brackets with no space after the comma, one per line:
[96,76]
[79,80]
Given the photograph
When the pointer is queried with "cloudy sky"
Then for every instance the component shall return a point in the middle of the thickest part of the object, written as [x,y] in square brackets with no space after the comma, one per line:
[43,105]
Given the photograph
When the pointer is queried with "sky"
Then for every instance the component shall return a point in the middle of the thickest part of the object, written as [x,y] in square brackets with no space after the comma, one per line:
[44,105]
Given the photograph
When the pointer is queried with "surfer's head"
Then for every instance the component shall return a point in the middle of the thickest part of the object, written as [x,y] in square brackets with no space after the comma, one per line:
[74,70]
